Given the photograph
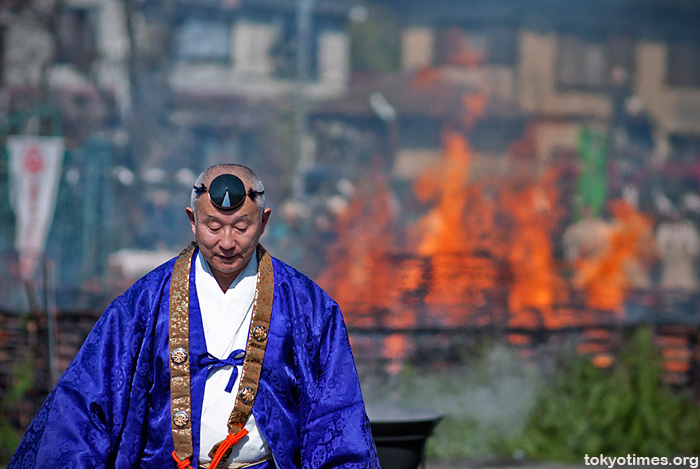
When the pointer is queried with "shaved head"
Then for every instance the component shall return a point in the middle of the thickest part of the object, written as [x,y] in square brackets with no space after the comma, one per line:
[228,238]
[247,175]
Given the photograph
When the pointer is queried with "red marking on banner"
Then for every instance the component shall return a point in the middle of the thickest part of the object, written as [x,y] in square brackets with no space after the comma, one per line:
[33,162]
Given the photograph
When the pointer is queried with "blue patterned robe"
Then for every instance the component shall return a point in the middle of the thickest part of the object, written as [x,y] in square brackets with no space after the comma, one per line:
[111,408]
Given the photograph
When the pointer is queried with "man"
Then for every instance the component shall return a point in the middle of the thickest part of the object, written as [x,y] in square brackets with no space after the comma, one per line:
[678,245]
[222,354]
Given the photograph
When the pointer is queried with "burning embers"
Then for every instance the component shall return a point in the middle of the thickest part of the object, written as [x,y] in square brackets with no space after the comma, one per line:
[491,252]
[609,259]
[483,254]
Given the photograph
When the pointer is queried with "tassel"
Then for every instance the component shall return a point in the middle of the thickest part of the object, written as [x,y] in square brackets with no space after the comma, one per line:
[185,464]
[231,439]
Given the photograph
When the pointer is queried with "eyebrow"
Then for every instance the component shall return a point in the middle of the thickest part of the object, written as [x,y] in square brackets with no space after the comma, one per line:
[213,218]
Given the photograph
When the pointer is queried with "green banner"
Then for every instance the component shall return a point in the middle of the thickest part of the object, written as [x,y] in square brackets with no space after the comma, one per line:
[591,188]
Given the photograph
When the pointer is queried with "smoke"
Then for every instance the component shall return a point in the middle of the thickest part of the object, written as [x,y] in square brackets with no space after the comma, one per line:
[484,401]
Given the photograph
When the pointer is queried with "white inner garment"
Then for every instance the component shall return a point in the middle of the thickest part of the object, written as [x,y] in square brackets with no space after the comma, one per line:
[226,319]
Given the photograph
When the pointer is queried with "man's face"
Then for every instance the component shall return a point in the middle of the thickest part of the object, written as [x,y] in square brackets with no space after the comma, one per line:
[227,238]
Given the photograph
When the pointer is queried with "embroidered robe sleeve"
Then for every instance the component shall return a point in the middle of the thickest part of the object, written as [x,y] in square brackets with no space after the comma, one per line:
[83,421]
[335,431]
[310,407]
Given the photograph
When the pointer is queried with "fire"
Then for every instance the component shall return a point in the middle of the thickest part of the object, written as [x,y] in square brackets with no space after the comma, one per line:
[443,229]
[360,274]
[396,348]
[618,260]
[533,214]
[462,223]
[483,254]
[460,248]
[457,236]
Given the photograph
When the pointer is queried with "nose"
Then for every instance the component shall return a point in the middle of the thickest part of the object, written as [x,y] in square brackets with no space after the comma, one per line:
[227,242]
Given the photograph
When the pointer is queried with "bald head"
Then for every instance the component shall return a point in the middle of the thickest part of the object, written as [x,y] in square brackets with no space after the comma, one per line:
[228,238]
[247,175]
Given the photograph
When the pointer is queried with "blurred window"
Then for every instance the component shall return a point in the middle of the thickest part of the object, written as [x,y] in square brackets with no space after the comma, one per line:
[471,45]
[204,40]
[75,37]
[683,64]
[592,61]
[621,66]
[283,51]
[419,132]
[581,63]
[286,44]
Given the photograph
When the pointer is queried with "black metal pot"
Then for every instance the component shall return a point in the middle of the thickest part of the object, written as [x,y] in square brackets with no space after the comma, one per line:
[400,436]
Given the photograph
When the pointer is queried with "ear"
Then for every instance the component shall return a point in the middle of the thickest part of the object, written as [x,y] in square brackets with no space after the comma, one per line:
[190,215]
[265,217]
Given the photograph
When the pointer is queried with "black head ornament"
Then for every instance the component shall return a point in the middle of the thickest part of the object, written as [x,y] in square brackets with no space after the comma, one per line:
[227,192]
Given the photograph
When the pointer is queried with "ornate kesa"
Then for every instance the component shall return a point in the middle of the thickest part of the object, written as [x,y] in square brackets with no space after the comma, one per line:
[178,356]
[260,333]
[181,419]
[180,402]
[247,395]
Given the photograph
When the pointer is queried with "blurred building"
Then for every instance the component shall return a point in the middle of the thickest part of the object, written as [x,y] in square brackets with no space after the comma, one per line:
[543,69]
[318,93]
[251,48]
[148,93]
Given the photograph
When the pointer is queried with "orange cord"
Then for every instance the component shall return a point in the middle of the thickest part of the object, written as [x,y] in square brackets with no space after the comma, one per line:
[231,439]
[185,464]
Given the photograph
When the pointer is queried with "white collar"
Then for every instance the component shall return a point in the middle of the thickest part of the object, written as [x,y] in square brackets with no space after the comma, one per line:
[226,319]
[205,278]
[224,314]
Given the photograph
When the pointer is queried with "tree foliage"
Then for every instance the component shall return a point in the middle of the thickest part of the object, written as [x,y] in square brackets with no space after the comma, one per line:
[623,410]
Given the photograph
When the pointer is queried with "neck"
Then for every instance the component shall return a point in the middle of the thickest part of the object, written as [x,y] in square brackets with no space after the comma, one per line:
[225,281]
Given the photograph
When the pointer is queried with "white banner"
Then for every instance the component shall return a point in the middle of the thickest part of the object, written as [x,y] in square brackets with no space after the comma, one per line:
[35,170]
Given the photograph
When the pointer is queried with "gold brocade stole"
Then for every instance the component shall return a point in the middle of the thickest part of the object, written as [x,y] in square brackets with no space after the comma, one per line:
[179,334]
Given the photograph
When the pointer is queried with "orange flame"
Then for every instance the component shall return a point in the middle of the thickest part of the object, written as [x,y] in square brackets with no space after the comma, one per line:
[617,264]
[532,209]
[451,271]
[360,276]
[442,229]
[458,245]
